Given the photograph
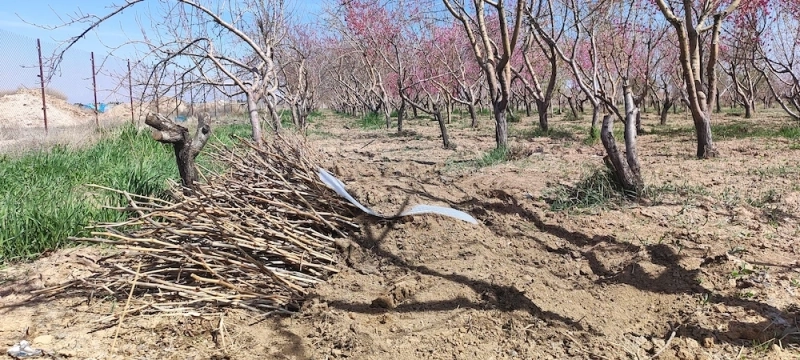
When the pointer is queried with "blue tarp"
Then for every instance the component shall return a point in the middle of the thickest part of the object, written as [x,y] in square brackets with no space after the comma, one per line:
[101,107]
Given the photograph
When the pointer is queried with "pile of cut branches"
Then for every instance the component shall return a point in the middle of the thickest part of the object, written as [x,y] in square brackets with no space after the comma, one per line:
[256,237]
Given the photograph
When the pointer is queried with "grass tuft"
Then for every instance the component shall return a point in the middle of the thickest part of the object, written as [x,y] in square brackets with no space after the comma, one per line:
[493,157]
[553,133]
[570,116]
[598,189]
[371,121]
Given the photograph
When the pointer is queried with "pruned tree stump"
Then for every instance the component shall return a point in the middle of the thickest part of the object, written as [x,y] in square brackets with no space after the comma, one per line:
[186,148]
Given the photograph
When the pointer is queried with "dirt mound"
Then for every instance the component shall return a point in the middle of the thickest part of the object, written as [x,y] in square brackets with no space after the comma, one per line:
[123,112]
[23,109]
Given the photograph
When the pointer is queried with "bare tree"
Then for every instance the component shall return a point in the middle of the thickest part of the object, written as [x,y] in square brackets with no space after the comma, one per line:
[301,70]
[777,41]
[543,31]
[701,90]
[492,54]
[234,52]
[740,61]
[580,53]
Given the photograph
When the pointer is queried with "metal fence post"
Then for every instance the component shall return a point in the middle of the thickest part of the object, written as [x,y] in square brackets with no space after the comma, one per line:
[155,87]
[191,98]
[41,80]
[94,90]
[130,91]
[177,96]
[205,98]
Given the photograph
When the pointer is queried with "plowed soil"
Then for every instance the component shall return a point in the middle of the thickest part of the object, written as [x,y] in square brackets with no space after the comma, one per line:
[705,268]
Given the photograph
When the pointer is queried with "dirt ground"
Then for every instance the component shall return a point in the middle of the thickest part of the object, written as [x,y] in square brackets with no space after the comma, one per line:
[707,268]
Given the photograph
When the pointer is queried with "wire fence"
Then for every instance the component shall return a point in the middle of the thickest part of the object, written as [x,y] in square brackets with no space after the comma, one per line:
[93,88]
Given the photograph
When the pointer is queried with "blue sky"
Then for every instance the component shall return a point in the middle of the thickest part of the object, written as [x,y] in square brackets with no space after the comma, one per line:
[15,13]
[16,32]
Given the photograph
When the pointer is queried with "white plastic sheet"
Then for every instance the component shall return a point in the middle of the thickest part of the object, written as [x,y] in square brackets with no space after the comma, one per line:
[336,185]
[23,350]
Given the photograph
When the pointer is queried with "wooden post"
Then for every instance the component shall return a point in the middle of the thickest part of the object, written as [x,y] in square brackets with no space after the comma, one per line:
[41,80]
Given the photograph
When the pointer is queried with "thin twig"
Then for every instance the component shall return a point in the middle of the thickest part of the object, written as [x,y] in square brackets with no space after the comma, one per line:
[666,345]
[127,305]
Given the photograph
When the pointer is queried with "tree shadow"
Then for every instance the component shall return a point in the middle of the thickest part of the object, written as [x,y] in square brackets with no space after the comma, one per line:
[674,279]
[500,297]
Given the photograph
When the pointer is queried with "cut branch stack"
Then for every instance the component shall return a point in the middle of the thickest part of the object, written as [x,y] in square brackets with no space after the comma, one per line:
[257,237]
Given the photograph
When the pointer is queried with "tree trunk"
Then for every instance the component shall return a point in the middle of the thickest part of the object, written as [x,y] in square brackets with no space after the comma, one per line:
[448,108]
[437,113]
[665,111]
[387,115]
[401,112]
[276,120]
[472,115]
[748,109]
[705,146]
[626,169]
[719,104]
[501,125]
[527,107]
[541,108]
[572,108]
[638,126]
[632,120]
[255,121]
[186,149]
[595,121]
[296,118]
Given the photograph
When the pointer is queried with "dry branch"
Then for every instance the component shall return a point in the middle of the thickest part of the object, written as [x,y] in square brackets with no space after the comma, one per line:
[257,237]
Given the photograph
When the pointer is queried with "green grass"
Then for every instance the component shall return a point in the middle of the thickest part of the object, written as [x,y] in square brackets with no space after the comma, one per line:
[483,112]
[226,134]
[570,116]
[286,118]
[44,200]
[553,133]
[732,130]
[670,131]
[493,157]
[371,121]
[742,129]
[741,271]
[593,135]
[659,193]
